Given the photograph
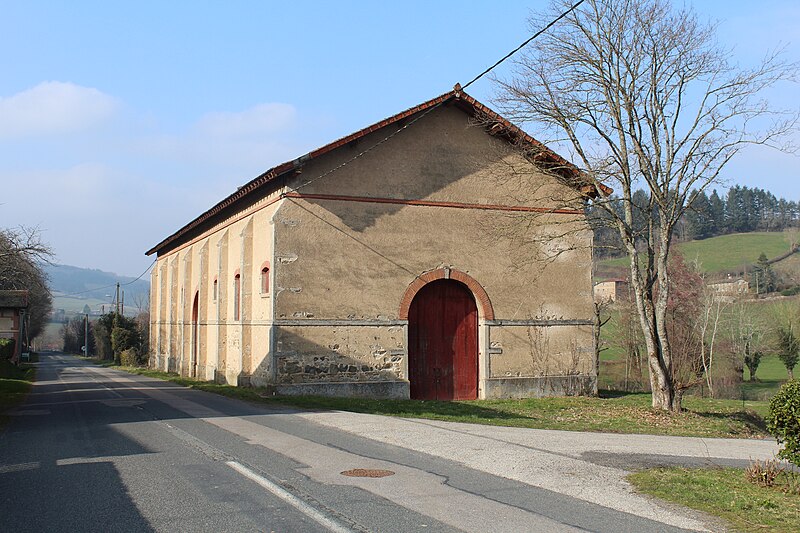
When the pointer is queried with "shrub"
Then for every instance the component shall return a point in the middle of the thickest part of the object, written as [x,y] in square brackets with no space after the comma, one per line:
[123,338]
[129,358]
[764,474]
[6,348]
[783,420]
[791,291]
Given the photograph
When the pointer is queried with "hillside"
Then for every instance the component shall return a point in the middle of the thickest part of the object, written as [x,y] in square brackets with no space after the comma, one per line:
[75,287]
[728,254]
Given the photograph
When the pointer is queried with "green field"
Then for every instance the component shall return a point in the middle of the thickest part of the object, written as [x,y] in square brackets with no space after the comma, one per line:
[771,372]
[75,304]
[734,253]
[725,254]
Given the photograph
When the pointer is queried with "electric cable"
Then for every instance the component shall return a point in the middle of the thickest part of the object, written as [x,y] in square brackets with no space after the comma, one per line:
[430,109]
[107,286]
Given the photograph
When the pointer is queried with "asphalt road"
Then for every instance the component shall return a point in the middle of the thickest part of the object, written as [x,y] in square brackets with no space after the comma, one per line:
[95,449]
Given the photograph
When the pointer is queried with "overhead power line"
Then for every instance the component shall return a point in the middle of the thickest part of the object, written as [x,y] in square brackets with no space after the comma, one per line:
[430,109]
[111,285]
[520,47]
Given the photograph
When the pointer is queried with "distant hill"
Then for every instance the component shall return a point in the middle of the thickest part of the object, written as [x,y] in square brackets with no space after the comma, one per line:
[718,256]
[74,287]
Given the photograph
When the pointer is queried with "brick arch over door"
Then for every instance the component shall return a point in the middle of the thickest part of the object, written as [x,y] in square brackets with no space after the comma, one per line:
[485,310]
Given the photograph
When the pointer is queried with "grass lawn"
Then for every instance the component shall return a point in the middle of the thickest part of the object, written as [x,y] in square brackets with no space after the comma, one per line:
[15,382]
[771,373]
[726,253]
[616,413]
[724,492]
[733,252]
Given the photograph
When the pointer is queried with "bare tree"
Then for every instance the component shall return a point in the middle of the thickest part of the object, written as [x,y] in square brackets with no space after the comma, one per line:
[713,306]
[21,254]
[141,300]
[20,247]
[641,96]
[747,338]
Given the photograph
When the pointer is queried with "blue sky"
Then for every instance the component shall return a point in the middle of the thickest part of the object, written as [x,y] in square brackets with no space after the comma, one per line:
[120,122]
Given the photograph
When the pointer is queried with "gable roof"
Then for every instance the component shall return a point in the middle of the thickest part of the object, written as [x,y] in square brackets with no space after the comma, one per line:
[495,124]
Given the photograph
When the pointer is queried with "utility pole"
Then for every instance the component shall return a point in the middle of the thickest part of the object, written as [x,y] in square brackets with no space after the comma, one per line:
[117,298]
[122,304]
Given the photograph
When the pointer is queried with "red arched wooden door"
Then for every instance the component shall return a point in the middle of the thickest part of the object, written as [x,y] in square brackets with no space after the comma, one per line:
[443,342]
[195,314]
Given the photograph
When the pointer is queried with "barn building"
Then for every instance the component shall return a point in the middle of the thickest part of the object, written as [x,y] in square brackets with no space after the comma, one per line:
[375,267]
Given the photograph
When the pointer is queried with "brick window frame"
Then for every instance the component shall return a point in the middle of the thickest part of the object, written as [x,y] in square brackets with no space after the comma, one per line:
[485,309]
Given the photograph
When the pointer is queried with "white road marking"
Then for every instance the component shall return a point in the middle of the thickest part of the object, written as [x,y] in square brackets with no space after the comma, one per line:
[19,467]
[290,498]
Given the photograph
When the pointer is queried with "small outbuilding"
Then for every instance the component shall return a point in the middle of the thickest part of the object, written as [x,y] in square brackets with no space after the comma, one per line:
[12,320]
[380,265]
[612,290]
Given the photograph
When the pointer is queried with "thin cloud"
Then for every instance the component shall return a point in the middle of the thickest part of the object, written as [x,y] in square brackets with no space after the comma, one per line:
[242,142]
[53,108]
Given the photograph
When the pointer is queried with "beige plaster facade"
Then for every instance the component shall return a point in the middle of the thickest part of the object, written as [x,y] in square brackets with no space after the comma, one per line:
[326,262]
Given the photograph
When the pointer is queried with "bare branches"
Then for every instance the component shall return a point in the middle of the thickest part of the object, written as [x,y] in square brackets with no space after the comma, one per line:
[641,96]
[21,254]
[644,97]
[19,249]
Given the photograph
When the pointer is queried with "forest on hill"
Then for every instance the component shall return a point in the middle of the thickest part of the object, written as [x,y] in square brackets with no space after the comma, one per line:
[741,210]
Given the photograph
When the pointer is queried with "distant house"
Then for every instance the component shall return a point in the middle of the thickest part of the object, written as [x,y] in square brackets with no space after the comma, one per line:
[730,288]
[365,268]
[12,319]
[613,290]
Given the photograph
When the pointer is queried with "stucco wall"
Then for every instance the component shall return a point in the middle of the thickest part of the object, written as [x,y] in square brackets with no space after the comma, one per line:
[227,350]
[348,263]
[340,268]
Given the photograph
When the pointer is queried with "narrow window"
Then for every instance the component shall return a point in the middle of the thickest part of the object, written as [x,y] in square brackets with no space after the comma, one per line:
[265,280]
[237,285]
[214,291]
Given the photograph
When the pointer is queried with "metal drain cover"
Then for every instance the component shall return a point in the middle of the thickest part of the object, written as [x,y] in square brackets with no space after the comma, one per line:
[367,472]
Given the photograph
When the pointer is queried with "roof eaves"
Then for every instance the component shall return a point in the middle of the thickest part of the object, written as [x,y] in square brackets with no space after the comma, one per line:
[511,131]
[295,164]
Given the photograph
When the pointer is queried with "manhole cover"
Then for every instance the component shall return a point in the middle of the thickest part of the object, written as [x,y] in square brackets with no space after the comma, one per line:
[367,472]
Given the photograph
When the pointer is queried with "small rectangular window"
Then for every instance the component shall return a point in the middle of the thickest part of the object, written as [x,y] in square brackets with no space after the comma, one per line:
[214,291]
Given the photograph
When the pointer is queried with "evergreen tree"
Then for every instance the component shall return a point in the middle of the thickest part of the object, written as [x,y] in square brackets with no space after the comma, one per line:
[717,220]
[699,218]
[763,275]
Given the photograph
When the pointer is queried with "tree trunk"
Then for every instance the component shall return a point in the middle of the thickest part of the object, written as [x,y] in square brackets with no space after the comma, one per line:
[661,386]
[652,313]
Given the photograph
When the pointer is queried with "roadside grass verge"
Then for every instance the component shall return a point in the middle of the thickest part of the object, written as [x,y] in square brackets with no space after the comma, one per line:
[612,412]
[726,493]
[15,382]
